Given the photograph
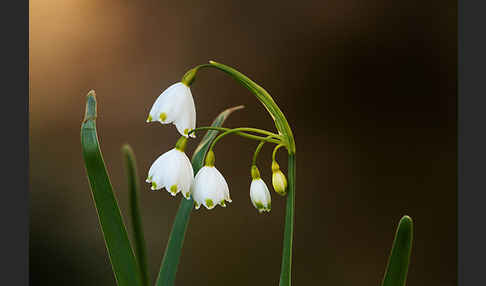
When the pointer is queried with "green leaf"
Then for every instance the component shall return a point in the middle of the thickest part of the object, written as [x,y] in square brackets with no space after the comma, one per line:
[286,268]
[116,238]
[397,268]
[173,250]
[134,189]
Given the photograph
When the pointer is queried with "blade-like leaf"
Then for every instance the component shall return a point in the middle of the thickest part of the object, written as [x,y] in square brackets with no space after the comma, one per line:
[116,238]
[134,189]
[173,250]
[397,268]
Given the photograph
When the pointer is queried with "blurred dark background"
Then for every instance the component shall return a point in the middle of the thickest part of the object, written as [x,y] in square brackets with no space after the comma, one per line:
[369,88]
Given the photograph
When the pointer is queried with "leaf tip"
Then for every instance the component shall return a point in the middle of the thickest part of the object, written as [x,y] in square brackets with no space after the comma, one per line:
[405,228]
[236,108]
[126,148]
[127,152]
[90,112]
[406,221]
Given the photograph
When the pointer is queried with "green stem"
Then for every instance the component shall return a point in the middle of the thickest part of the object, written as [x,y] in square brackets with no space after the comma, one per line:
[285,273]
[275,151]
[257,151]
[262,95]
[248,129]
[242,134]
[287,140]
[236,130]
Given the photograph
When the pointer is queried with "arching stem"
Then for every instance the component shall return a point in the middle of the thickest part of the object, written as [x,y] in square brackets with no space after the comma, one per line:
[257,151]
[275,151]
[236,130]
[241,133]
[262,95]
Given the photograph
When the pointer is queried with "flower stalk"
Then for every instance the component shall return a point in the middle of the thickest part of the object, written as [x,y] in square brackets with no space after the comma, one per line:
[235,130]
[287,140]
[285,271]
[277,115]
[209,175]
[240,133]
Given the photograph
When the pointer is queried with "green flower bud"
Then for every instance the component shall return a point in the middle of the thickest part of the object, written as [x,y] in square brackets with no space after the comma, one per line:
[279,181]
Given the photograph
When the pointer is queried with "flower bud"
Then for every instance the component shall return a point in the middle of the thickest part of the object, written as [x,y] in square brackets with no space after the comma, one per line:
[279,181]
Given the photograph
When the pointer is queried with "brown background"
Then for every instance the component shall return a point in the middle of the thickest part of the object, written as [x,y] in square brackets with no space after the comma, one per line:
[369,88]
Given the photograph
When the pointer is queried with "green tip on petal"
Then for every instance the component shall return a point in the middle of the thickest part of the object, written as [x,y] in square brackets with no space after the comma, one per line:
[222,203]
[209,203]
[154,185]
[259,205]
[173,189]
[149,118]
[163,116]
[261,208]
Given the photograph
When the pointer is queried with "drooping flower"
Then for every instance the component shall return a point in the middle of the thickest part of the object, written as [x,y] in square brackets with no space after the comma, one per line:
[210,187]
[279,181]
[259,194]
[175,105]
[172,171]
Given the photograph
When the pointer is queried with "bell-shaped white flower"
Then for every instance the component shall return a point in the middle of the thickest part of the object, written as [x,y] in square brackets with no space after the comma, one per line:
[175,105]
[172,171]
[210,187]
[259,194]
[279,181]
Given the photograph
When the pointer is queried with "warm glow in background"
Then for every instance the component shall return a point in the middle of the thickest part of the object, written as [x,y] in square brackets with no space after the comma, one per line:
[369,88]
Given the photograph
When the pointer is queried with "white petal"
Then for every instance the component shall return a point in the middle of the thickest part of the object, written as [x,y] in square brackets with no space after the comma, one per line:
[186,176]
[164,99]
[210,187]
[260,196]
[176,104]
[172,171]
[187,119]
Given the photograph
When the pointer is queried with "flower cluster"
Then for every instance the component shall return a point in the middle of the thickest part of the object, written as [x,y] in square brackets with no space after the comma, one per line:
[173,170]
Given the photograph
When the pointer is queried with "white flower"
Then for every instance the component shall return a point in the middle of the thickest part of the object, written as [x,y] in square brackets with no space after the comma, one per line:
[260,196]
[172,171]
[210,188]
[175,105]
[279,181]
